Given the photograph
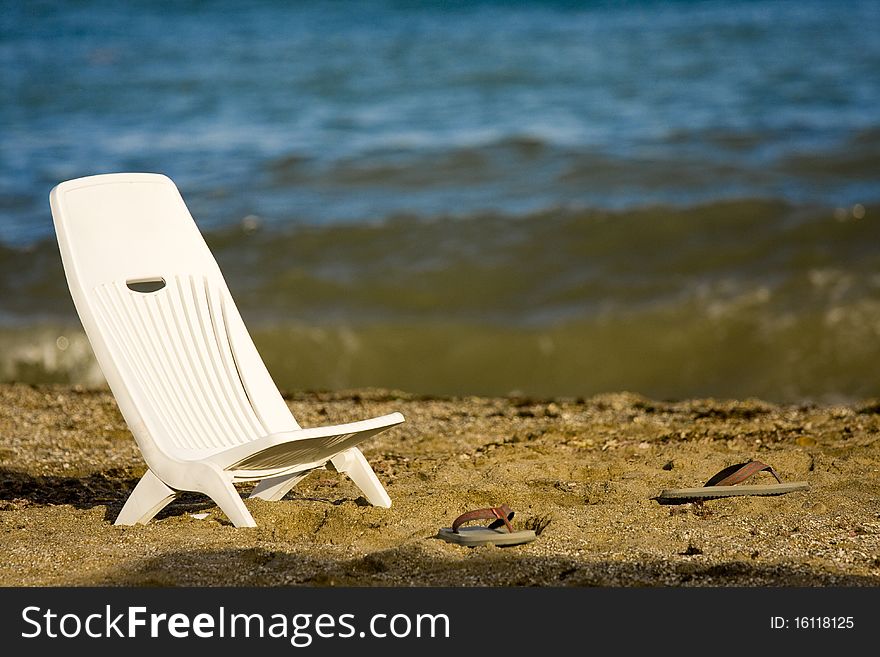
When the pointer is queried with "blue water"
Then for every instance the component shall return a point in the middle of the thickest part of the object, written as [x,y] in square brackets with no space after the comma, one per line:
[676,198]
[320,112]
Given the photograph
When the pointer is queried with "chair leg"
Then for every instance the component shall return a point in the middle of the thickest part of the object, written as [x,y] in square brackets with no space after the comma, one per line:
[353,463]
[150,496]
[273,489]
[220,489]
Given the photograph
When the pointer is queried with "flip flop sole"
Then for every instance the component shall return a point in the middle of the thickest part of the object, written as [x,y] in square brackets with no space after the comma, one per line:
[674,495]
[474,536]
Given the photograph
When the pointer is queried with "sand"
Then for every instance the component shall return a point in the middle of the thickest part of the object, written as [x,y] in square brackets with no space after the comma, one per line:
[583,471]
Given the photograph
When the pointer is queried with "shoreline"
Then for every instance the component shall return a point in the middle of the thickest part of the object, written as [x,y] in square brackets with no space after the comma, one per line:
[591,467]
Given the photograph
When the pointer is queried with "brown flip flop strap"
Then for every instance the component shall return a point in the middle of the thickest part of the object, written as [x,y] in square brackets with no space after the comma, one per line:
[740,472]
[502,515]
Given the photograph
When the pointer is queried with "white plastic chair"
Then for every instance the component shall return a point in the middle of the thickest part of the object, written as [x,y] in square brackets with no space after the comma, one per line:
[177,356]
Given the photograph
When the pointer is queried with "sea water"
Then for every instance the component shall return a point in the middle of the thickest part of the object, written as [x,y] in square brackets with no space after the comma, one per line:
[674,198]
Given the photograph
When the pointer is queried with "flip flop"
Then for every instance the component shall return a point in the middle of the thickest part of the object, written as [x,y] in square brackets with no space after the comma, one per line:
[724,483]
[493,534]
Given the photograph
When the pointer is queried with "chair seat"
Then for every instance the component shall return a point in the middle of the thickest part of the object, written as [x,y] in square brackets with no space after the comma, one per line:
[301,449]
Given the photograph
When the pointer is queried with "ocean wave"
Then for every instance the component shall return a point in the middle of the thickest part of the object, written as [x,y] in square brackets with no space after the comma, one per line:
[550,266]
[513,175]
[734,298]
[734,349]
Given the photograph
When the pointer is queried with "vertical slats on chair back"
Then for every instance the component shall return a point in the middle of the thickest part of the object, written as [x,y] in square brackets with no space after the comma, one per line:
[177,346]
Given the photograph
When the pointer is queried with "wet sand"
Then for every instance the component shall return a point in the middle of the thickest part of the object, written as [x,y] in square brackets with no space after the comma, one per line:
[585,470]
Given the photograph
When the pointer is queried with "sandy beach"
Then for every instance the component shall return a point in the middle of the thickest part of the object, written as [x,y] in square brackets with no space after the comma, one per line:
[584,470]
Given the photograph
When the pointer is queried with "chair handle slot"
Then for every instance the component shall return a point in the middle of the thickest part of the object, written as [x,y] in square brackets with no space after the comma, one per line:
[145,285]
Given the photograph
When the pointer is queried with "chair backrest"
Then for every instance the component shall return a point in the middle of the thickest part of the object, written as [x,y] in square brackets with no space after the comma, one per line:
[160,318]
